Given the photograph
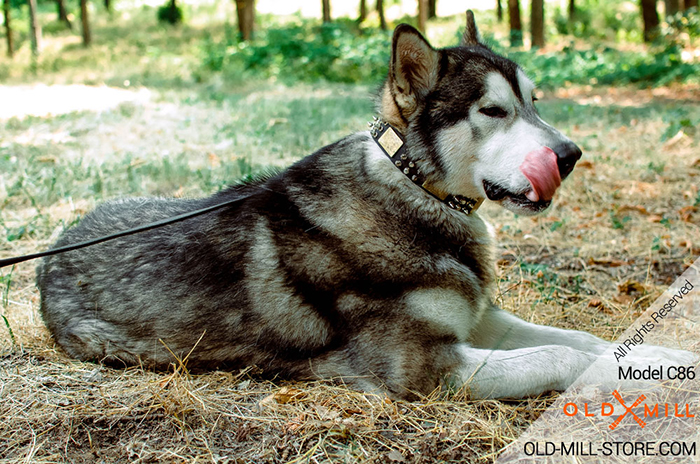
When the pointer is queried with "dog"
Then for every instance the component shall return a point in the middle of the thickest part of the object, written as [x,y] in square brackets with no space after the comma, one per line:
[366,261]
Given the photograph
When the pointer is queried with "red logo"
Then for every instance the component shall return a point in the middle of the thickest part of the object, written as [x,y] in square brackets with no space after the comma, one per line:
[628,410]
[606,409]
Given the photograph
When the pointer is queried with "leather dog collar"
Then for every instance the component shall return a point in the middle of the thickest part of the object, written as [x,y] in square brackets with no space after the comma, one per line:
[394,146]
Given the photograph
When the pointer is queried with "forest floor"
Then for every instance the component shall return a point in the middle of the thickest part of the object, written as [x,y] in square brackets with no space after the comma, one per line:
[623,227]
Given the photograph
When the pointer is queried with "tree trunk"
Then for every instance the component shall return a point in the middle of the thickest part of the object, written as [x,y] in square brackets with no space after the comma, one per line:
[326,4]
[651,19]
[499,11]
[245,10]
[432,9]
[672,7]
[63,14]
[108,5]
[380,10]
[690,4]
[363,11]
[8,29]
[422,15]
[516,27]
[537,23]
[34,29]
[572,11]
[85,21]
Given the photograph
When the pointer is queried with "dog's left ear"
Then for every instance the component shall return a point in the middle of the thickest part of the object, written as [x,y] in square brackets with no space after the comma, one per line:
[471,33]
[414,67]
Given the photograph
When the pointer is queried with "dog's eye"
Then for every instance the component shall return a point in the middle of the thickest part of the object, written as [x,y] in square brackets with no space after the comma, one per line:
[494,112]
[534,99]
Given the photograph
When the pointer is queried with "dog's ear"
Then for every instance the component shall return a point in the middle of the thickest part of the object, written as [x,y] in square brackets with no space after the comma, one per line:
[471,34]
[414,67]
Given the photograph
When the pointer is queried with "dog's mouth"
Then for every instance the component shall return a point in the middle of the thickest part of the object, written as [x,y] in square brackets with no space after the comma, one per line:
[519,200]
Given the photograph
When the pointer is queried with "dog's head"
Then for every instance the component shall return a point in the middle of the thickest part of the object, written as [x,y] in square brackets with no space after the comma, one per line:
[468,115]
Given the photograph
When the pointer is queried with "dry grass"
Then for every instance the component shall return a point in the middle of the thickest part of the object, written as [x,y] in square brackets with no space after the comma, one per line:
[60,410]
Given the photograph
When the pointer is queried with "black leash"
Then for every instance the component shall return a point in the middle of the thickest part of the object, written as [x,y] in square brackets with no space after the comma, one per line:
[135,230]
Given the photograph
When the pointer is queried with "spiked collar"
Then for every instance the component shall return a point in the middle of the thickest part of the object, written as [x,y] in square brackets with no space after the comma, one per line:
[394,146]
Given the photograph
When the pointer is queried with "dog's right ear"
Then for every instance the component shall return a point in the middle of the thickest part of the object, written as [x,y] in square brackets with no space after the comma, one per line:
[471,34]
[414,68]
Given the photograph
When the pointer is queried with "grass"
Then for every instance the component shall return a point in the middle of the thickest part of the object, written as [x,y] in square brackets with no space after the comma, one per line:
[628,214]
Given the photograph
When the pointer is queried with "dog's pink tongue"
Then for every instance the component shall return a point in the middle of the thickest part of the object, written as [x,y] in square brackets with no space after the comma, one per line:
[540,168]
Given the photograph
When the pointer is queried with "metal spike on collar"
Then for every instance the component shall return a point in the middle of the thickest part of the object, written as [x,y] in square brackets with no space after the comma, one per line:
[376,126]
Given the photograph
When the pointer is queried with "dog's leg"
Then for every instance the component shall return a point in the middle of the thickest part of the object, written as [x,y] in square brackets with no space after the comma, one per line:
[520,372]
[550,354]
[530,371]
[501,330]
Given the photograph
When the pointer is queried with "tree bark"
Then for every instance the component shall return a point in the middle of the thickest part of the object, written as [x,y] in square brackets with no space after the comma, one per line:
[572,11]
[245,11]
[432,9]
[672,7]
[85,22]
[651,19]
[34,28]
[382,18]
[537,23]
[422,15]
[499,11]
[326,6]
[363,11]
[8,29]
[516,27]
[63,14]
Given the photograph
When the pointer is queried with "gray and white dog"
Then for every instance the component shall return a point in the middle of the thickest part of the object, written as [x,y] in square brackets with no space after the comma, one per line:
[365,261]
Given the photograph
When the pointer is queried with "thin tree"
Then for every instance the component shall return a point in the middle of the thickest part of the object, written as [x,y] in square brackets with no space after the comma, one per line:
[8,28]
[63,14]
[671,7]
[516,25]
[34,28]
[382,18]
[422,15]
[499,11]
[363,11]
[245,11]
[85,23]
[326,7]
[432,9]
[651,19]
[537,23]
[572,11]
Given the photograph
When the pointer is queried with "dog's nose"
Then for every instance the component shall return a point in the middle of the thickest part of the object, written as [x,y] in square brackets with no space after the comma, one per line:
[567,155]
